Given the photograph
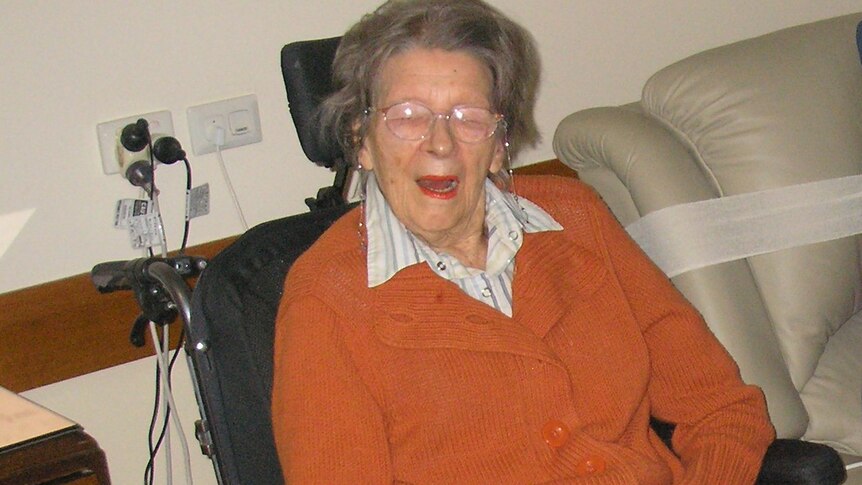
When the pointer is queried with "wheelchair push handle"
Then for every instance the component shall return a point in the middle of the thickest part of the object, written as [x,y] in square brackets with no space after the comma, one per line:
[158,285]
[128,275]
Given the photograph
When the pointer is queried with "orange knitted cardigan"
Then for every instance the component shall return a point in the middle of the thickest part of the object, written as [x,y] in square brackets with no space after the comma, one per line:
[414,381]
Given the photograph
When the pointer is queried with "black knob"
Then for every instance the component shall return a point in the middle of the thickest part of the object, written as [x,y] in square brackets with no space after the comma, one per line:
[168,150]
[135,136]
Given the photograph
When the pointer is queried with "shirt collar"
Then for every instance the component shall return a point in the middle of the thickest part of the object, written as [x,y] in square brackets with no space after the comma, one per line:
[391,247]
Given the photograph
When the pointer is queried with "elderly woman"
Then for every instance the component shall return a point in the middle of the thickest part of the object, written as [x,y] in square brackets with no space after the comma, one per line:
[458,329]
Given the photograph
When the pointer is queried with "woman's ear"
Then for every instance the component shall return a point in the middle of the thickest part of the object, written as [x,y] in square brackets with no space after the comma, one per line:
[363,156]
[499,156]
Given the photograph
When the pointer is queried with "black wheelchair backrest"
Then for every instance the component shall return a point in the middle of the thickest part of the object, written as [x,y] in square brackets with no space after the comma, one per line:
[234,304]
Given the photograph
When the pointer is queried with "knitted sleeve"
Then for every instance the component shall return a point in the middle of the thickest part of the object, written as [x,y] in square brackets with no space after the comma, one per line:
[723,428]
[328,427]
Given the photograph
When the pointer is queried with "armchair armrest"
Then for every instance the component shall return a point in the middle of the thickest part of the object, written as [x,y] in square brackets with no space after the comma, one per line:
[802,462]
[786,461]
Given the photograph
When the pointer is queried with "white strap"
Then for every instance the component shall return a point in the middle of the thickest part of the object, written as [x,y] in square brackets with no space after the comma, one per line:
[690,236]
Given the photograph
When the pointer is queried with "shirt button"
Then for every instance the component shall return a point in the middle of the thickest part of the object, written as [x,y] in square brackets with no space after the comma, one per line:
[513,235]
[441,265]
[486,292]
[555,433]
[591,465]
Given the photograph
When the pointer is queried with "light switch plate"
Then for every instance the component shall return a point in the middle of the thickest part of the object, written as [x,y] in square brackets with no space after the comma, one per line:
[109,132]
[205,119]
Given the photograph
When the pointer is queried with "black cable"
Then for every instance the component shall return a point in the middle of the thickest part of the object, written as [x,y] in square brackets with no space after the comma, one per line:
[153,448]
[188,201]
[152,185]
[153,166]
[149,471]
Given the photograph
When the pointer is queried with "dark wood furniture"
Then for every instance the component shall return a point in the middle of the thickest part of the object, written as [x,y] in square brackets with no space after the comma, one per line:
[69,456]
[38,447]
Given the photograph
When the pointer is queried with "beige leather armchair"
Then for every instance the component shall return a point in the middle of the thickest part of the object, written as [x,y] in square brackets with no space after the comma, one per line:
[773,111]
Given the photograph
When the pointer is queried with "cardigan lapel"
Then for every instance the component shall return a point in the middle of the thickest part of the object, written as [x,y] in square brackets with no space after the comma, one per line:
[417,309]
[553,275]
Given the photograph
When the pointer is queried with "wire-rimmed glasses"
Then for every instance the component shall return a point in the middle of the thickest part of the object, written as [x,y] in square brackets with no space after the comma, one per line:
[413,121]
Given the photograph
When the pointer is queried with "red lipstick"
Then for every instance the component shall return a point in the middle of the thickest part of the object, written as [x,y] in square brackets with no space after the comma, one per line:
[438,186]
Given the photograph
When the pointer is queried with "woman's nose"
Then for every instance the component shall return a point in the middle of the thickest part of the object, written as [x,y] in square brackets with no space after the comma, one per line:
[440,141]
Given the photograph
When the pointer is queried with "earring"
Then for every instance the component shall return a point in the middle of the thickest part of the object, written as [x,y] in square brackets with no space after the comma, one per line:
[361,187]
[509,181]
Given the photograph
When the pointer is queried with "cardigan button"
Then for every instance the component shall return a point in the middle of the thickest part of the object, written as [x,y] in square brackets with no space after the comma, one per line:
[555,433]
[476,319]
[401,317]
[591,465]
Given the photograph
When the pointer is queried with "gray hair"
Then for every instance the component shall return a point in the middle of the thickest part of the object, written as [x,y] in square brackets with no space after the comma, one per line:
[397,26]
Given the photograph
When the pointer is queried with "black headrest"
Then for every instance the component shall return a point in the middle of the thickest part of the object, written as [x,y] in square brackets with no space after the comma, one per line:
[859,39]
[307,70]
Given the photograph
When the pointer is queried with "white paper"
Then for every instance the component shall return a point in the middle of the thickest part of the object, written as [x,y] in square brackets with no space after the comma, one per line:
[11,225]
[22,420]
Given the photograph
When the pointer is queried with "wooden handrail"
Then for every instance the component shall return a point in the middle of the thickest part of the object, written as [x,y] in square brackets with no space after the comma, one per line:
[66,328]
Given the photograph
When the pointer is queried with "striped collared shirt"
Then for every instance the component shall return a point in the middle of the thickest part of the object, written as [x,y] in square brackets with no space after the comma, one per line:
[391,247]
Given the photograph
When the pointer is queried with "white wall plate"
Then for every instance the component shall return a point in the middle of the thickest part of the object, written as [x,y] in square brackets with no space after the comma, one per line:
[108,132]
[239,119]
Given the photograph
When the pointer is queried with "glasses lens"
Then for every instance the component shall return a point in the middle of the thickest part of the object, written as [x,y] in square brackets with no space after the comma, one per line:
[472,124]
[408,121]
[411,121]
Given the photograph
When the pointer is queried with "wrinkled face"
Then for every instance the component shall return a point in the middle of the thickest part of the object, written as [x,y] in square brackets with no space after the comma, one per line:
[434,185]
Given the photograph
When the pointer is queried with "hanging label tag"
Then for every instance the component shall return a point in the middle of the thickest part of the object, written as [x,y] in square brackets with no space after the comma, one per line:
[198,201]
[128,208]
[145,231]
[138,216]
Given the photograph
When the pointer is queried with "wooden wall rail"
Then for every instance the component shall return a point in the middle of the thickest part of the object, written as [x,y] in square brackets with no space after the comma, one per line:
[65,328]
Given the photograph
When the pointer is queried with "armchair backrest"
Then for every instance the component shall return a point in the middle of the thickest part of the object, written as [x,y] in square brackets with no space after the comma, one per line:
[773,111]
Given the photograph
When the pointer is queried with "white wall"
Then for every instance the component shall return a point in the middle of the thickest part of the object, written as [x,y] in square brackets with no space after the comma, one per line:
[70,64]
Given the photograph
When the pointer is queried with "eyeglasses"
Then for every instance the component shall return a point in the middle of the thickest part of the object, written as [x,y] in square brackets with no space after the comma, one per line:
[413,121]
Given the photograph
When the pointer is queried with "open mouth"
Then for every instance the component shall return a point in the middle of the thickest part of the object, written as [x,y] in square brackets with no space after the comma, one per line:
[439,187]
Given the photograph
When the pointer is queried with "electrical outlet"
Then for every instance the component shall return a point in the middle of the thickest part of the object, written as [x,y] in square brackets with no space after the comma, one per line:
[237,118]
[109,133]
